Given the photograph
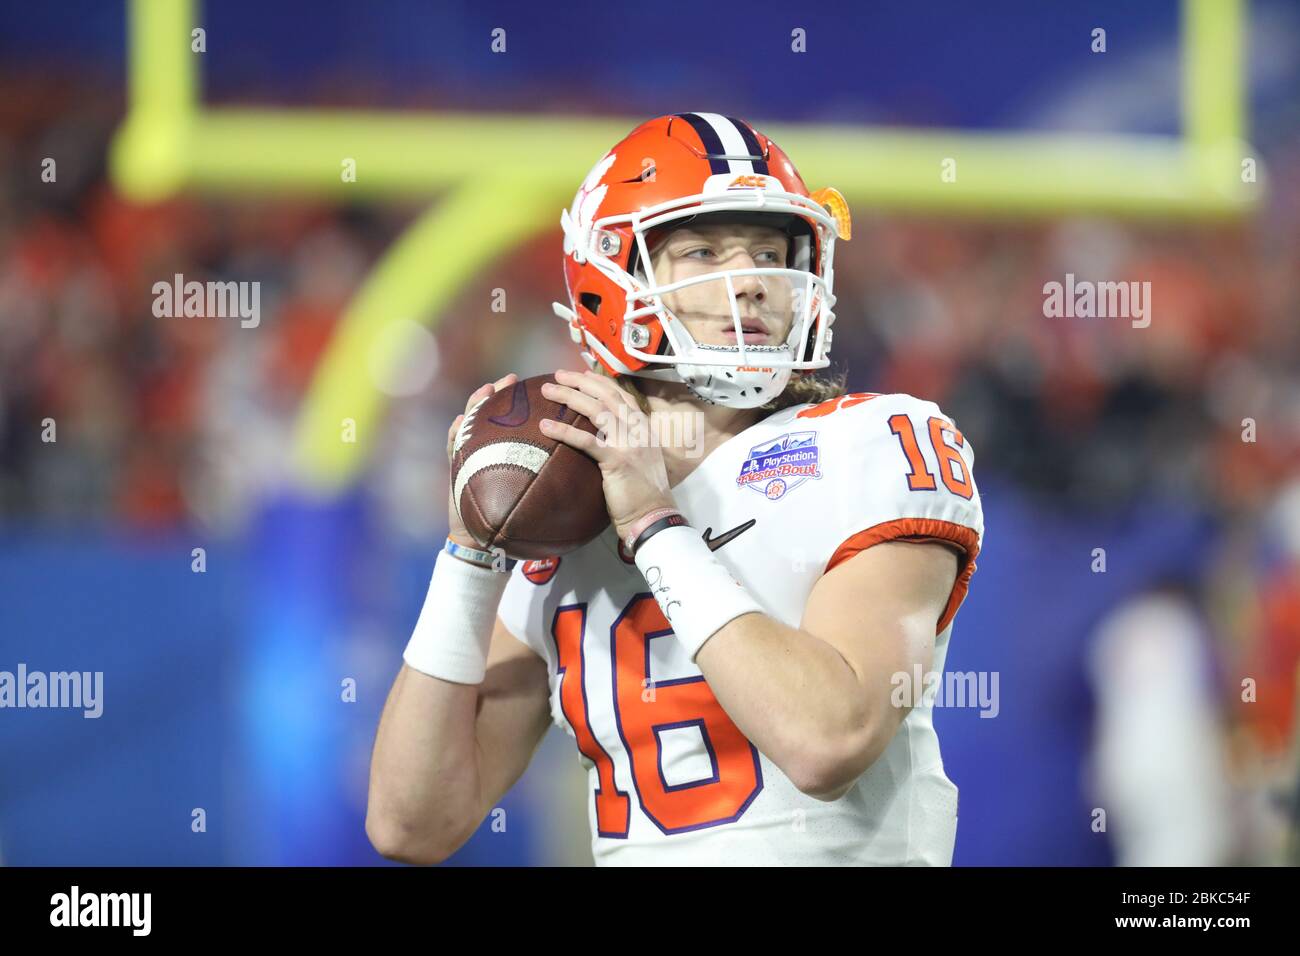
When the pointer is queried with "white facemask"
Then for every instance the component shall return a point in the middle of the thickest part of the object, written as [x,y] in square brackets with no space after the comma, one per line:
[737,376]
[733,385]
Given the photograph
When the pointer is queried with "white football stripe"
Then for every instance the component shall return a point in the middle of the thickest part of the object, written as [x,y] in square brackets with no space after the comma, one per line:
[498,453]
[462,433]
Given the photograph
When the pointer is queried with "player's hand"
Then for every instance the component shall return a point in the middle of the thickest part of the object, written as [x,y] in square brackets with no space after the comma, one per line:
[456,528]
[634,473]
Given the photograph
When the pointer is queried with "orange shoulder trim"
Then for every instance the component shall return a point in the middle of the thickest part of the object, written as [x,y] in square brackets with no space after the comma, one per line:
[921,529]
[822,409]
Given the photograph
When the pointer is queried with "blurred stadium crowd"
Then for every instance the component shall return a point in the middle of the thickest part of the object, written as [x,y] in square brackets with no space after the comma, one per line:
[172,422]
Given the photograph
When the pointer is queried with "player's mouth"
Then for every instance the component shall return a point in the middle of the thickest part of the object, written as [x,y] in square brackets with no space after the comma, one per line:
[754,331]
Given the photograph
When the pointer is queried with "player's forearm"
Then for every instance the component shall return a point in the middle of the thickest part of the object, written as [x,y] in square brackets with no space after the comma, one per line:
[790,693]
[424,780]
[797,699]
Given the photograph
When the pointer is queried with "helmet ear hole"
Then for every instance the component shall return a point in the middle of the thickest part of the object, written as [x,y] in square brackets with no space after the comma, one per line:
[591,302]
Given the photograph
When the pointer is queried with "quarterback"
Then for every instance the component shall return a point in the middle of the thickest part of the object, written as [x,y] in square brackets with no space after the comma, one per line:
[727,655]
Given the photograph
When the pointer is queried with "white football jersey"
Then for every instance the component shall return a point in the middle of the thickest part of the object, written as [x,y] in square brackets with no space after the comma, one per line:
[672,780]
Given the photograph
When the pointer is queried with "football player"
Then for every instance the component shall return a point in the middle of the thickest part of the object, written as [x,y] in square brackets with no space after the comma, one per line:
[739,657]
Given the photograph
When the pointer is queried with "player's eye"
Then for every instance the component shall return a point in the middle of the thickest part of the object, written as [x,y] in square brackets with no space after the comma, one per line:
[702,252]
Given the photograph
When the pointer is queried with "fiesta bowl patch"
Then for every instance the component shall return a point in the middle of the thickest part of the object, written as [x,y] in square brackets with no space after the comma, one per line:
[541,570]
[780,465]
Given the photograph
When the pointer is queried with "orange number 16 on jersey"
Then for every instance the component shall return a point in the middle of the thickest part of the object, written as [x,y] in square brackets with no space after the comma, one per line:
[642,713]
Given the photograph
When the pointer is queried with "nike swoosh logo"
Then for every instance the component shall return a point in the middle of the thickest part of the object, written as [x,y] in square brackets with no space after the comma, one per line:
[713,543]
[518,413]
[727,536]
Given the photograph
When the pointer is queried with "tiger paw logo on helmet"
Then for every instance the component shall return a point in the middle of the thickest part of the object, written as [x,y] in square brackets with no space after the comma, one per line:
[698,167]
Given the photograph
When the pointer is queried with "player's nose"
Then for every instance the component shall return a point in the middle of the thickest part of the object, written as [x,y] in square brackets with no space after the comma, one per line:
[747,285]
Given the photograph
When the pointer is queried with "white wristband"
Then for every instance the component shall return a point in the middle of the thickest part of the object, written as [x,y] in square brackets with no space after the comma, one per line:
[452,636]
[696,592]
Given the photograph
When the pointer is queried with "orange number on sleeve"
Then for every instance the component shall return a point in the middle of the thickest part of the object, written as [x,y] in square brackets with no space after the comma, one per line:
[919,478]
[952,467]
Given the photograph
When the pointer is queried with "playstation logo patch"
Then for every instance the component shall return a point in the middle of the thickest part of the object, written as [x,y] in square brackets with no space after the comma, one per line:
[780,465]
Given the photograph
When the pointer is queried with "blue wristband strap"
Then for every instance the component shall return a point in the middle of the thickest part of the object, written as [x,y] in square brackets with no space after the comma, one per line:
[494,560]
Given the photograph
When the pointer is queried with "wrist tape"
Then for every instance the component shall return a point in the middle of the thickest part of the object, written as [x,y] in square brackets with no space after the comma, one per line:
[452,636]
[696,592]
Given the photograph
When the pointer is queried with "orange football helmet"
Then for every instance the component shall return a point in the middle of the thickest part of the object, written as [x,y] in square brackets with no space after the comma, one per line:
[669,171]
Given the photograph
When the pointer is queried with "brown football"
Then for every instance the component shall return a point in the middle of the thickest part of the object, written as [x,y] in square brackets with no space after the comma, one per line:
[518,489]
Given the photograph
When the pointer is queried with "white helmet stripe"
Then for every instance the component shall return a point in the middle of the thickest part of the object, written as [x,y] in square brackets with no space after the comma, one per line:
[733,143]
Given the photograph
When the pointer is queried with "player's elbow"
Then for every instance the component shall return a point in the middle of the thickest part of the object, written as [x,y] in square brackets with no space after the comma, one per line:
[396,841]
[824,779]
[829,773]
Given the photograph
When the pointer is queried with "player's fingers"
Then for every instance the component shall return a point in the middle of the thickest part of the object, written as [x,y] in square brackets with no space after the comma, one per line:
[597,386]
[627,398]
[617,395]
[484,391]
[451,433]
[574,437]
[581,403]
[478,396]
